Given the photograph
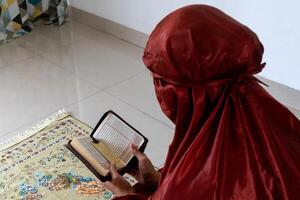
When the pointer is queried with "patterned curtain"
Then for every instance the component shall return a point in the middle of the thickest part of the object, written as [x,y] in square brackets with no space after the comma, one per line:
[16,16]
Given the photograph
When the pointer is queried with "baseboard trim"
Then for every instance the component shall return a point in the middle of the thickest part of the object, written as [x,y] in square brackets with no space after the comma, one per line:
[284,94]
[118,30]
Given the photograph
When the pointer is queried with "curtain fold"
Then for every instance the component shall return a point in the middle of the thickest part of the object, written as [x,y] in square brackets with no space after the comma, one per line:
[17,16]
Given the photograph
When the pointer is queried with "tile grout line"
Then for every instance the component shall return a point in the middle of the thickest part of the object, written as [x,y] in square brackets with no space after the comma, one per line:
[63,106]
[122,81]
[73,73]
[50,113]
[25,126]
[70,72]
[91,83]
[100,90]
[19,61]
[132,106]
[108,34]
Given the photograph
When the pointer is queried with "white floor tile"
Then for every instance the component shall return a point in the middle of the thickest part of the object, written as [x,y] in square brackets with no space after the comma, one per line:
[97,61]
[11,53]
[159,135]
[33,88]
[37,42]
[69,33]
[139,92]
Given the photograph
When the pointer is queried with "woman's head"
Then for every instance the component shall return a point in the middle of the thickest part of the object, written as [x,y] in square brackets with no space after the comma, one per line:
[198,44]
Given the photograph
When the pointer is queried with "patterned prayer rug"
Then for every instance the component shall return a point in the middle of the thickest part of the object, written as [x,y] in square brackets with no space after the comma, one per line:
[36,165]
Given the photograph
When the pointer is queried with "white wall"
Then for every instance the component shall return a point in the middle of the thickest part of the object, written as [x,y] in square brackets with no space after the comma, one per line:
[277,23]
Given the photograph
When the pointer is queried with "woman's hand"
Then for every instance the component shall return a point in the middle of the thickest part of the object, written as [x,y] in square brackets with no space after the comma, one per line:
[146,174]
[118,185]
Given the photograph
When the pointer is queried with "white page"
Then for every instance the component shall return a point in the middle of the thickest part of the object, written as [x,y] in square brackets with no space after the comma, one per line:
[118,136]
[85,143]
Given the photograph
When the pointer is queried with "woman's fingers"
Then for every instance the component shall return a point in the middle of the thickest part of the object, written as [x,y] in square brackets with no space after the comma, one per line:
[113,170]
[139,155]
[118,185]
[109,185]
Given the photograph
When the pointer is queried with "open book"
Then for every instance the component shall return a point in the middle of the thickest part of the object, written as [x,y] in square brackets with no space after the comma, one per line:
[109,142]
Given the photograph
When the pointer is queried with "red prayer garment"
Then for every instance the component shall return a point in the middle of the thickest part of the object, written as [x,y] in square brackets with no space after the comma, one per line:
[232,139]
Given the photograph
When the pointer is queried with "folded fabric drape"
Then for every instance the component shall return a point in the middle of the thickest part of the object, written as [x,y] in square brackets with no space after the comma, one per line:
[232,141]
[16,16]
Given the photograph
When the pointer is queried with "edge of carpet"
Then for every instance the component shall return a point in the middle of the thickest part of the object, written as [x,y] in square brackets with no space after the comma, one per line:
[61,114]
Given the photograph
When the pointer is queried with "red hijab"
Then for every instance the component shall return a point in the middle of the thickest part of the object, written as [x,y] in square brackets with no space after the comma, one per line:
[232,139]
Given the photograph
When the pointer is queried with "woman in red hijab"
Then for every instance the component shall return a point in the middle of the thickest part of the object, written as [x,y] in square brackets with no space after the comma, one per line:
[232,139]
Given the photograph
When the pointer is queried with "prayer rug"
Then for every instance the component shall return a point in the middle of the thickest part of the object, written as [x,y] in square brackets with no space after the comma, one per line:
[36,165]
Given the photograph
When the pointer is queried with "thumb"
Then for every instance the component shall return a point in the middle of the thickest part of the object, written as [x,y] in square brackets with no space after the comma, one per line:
[113,170]
[139,155]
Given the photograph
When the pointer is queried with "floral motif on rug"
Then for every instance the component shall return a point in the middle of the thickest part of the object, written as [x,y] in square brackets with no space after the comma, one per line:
[40,167]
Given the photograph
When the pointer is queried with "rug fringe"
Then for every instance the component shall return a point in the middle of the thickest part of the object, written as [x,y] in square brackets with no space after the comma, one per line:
[33,130]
